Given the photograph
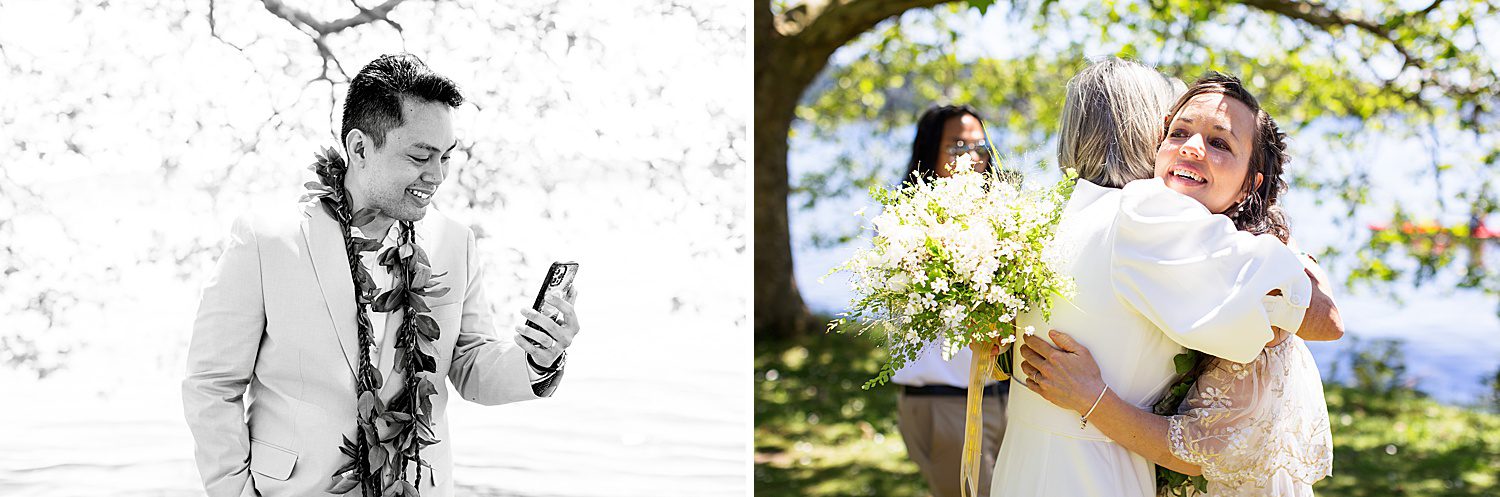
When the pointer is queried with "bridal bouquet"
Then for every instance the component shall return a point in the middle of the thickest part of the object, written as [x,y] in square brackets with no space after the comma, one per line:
[958,259]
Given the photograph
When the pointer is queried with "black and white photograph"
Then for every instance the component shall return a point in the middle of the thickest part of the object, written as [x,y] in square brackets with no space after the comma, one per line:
[399,247]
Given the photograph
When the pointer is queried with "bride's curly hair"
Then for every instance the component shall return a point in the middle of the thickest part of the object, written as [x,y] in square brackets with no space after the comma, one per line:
[1260,212]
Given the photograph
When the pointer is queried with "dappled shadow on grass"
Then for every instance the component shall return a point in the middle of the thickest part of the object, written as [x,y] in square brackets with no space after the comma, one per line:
[816,431]
[818,434]
[1392,443]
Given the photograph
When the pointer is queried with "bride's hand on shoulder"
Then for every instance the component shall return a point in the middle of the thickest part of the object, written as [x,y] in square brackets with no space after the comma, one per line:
[1065,374]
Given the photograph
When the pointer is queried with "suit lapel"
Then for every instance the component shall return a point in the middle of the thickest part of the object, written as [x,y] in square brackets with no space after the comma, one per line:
[331,265]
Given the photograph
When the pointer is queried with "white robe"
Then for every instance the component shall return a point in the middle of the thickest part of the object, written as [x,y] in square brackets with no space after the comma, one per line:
[1156,272]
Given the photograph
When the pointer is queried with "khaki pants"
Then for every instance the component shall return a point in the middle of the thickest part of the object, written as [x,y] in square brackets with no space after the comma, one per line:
[933,428]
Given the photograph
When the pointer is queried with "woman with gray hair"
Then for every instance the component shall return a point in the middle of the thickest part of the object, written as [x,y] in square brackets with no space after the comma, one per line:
[1156,273]
[1111,121]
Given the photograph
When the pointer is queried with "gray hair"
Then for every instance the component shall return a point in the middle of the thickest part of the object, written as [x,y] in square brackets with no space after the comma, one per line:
[1111,121]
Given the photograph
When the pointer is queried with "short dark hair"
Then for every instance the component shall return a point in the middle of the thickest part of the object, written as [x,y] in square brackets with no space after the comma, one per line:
[373,104]
[924,147]
[1261,212]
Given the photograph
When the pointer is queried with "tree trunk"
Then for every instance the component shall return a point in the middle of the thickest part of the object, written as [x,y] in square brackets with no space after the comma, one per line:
[779,309]
[785,65]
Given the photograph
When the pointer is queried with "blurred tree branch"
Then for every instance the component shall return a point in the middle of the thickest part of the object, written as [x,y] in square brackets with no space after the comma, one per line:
[213,28]
[1325,17]
[300,19]
[550,101]
[319,30]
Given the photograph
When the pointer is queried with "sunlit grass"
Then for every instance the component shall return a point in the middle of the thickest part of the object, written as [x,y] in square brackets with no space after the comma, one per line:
[817,433]
[1397,443]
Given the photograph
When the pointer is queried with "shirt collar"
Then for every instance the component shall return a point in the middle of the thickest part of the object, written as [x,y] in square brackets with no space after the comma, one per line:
[390,234]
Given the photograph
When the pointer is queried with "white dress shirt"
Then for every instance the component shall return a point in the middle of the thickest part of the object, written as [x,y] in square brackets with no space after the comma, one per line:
[382,278]
[383,281]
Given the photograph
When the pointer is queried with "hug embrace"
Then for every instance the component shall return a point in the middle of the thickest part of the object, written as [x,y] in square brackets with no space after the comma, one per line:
[1179,338]
[1186,249]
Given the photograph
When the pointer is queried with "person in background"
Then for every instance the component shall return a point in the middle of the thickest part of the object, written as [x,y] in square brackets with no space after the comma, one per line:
[930,405]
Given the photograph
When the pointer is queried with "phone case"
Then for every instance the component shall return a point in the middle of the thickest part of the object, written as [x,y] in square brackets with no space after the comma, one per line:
[559,277]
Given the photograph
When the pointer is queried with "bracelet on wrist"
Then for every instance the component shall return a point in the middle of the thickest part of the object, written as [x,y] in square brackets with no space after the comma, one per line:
[1083,421]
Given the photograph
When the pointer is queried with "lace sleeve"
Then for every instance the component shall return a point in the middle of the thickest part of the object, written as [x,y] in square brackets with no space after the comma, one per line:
[1256,425]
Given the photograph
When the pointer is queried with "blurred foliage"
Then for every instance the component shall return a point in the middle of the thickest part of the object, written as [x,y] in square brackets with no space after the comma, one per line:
[1494,396]
[818,434]
[132,132]
[1376,367]
[1351,77]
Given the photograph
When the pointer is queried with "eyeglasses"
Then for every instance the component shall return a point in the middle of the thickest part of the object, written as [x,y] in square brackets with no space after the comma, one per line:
[960,148]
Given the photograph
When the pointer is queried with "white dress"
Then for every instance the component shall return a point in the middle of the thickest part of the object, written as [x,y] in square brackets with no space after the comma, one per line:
[1155,272]
[1257,429]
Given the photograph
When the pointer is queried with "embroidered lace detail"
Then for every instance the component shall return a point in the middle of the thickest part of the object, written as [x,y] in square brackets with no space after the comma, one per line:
[1257,429]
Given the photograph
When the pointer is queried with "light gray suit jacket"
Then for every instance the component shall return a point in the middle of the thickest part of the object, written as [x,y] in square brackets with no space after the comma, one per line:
[270,393]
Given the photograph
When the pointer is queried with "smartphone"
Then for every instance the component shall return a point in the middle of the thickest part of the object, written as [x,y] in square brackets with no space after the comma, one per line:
[559,278]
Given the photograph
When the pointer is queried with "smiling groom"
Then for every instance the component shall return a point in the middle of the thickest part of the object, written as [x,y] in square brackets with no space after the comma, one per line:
[323,338]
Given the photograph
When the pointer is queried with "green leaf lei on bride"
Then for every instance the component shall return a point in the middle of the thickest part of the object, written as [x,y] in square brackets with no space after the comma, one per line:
[388,438]
[1189,365]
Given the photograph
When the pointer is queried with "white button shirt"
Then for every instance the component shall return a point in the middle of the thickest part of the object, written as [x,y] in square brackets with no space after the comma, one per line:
[382,278]
[383,282]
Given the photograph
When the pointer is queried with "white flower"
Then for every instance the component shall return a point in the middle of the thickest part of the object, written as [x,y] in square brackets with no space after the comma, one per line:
[897,283]
[964,163]
[940,285]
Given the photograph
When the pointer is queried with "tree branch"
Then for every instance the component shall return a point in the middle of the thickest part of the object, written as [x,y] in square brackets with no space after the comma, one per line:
[806,35]
[824,23]
[1423,13]
[213,30]
[328,58]
[1322,16]
[383,17]
[300,19]
[319,30]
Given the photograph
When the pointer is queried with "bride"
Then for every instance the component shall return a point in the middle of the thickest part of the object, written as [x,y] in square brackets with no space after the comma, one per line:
[1250,429]
[1156,272]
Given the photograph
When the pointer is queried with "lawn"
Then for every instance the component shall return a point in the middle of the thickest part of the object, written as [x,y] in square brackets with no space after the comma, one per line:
[817,433]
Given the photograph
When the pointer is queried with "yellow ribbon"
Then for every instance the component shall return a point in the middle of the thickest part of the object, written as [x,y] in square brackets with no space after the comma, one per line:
[981,368]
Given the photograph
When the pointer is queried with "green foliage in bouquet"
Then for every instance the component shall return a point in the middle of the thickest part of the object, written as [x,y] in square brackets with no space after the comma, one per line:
[956,259]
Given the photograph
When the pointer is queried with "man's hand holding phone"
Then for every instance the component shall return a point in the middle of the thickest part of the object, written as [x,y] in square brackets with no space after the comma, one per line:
[557,320]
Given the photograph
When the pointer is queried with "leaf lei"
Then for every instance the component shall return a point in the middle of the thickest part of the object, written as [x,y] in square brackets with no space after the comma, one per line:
[388,438]
[1189,365]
